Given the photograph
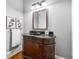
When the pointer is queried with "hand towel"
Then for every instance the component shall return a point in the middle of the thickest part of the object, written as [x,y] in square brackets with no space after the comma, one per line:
[16,37]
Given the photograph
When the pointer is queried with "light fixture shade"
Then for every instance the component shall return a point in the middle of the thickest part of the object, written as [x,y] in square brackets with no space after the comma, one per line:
[32,7]
[37,6]
[44,4]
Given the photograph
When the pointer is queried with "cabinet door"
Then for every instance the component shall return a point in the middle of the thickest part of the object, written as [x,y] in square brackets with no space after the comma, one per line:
[49,51]
[32,49]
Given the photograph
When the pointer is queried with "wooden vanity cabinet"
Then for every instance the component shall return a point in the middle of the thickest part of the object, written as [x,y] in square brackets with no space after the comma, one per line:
[38,48]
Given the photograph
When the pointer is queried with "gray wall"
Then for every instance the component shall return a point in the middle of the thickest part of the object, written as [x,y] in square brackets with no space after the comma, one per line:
[60,22]
[14,8]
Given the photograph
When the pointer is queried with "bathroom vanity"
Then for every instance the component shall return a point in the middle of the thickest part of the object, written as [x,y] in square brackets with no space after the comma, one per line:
[36,44]
[38,47]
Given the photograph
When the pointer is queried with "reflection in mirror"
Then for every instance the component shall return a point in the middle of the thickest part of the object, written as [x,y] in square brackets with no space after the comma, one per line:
[40,19]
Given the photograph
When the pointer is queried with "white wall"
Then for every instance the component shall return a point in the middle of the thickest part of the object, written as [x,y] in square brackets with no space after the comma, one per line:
[14,8]
[27,22]
[60,22]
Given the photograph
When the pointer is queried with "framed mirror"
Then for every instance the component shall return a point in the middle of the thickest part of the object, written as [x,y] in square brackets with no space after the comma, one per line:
[40,20]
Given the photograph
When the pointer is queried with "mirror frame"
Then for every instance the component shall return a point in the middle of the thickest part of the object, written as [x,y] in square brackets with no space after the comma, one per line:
[46,21]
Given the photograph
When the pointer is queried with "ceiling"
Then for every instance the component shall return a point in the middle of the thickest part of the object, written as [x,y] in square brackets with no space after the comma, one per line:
[25,5]
[16,4]
[28,3]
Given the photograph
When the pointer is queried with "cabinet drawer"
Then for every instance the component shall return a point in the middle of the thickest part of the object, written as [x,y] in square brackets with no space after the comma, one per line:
[48,50]
[26,37]
[48,41]
[39,41]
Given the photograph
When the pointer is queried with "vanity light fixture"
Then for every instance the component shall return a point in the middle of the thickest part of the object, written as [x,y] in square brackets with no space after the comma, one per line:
[39,5]
[32,7]
[44,4]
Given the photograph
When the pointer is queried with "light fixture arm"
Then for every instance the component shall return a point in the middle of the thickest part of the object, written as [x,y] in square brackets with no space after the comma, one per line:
[43,1]
[39,4]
